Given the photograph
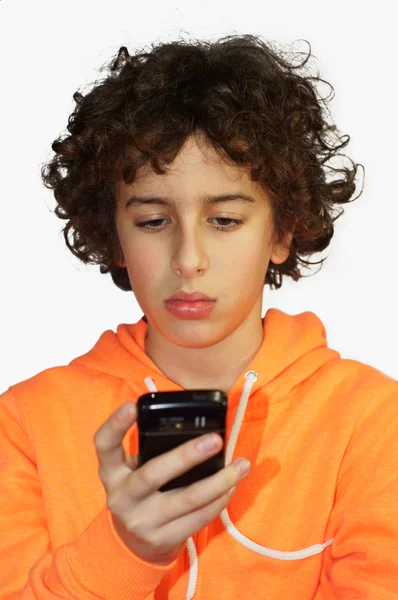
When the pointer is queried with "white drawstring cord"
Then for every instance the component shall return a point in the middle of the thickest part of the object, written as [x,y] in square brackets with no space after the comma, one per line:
[251,378]
[193,569]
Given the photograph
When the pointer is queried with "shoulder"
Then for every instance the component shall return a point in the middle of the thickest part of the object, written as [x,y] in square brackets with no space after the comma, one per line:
[45,381]
[366,404]
[67,387]
[363,388]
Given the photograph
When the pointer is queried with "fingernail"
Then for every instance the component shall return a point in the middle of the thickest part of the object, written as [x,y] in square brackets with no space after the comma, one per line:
[207,443]
[125,411]
[243,466]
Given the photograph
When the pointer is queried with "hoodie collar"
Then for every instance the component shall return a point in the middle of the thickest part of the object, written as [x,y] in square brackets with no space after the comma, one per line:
[293,347]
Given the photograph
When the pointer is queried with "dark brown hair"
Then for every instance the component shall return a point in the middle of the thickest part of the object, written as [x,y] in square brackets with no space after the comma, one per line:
[258,110]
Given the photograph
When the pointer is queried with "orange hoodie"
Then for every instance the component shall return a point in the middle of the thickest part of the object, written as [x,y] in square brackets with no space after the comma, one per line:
[316,518]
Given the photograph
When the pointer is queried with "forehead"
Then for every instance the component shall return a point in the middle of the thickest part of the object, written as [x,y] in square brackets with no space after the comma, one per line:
[195,156]
[196,171]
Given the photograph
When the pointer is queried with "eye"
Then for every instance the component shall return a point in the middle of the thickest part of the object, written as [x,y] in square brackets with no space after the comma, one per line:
[152,225]
[224,224]
[228,224]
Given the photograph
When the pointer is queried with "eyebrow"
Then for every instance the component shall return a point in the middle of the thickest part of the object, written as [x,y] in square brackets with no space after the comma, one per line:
[144,200]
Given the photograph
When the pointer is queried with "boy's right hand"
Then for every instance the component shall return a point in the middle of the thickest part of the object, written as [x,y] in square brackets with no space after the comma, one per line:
[155,525]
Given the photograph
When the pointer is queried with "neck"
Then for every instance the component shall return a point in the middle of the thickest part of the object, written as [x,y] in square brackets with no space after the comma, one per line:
[213,367]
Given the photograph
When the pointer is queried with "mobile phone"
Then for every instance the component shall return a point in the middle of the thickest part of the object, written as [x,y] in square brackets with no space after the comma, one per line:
[167,419]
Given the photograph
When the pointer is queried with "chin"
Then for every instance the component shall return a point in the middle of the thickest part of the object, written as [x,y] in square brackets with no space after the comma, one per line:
[194,334]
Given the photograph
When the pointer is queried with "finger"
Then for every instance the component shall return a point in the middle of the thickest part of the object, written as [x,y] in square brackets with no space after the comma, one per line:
[180,502]
[108,439]
[189,524]
[161,469]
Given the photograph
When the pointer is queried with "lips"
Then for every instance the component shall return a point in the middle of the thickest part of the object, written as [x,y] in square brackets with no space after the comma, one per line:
[189,297]
[190,306]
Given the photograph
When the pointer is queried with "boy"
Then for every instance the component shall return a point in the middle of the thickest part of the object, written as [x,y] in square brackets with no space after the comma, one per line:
[194,174]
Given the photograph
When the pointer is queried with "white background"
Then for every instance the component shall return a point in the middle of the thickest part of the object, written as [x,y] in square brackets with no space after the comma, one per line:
[52,307]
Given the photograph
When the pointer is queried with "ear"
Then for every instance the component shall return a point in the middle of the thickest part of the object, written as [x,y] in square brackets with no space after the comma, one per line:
[281,249]
[119,256]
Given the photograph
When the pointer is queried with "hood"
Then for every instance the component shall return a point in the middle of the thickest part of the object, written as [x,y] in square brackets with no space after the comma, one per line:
[294,347]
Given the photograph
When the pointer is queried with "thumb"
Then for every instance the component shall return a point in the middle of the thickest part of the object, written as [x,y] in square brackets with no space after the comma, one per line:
[108,439]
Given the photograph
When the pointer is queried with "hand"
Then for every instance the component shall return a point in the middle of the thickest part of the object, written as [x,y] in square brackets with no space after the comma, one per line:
[155,525]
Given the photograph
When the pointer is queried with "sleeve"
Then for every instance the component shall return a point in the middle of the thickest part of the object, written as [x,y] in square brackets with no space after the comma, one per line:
[96,565]
[362,562]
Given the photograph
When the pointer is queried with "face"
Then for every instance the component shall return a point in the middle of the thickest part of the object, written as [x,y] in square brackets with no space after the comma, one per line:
[178,237]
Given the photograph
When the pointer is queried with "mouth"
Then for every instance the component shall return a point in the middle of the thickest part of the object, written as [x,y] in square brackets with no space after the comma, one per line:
[187,306]
[190,297]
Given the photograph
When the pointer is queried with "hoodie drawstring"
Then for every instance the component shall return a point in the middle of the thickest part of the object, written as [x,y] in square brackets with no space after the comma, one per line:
[251,377]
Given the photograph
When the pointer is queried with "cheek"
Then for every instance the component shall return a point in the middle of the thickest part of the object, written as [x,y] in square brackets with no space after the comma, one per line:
[252,252]
[145,265]
[244,270]
[138,252]
[247,266]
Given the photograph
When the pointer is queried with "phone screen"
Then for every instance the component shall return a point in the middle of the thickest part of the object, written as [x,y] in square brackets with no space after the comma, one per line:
[168,419]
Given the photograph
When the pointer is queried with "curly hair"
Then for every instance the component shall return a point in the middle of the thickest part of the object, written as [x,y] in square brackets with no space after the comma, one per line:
[257,109]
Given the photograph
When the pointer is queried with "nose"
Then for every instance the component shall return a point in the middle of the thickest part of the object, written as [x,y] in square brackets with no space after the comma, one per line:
[189,256]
